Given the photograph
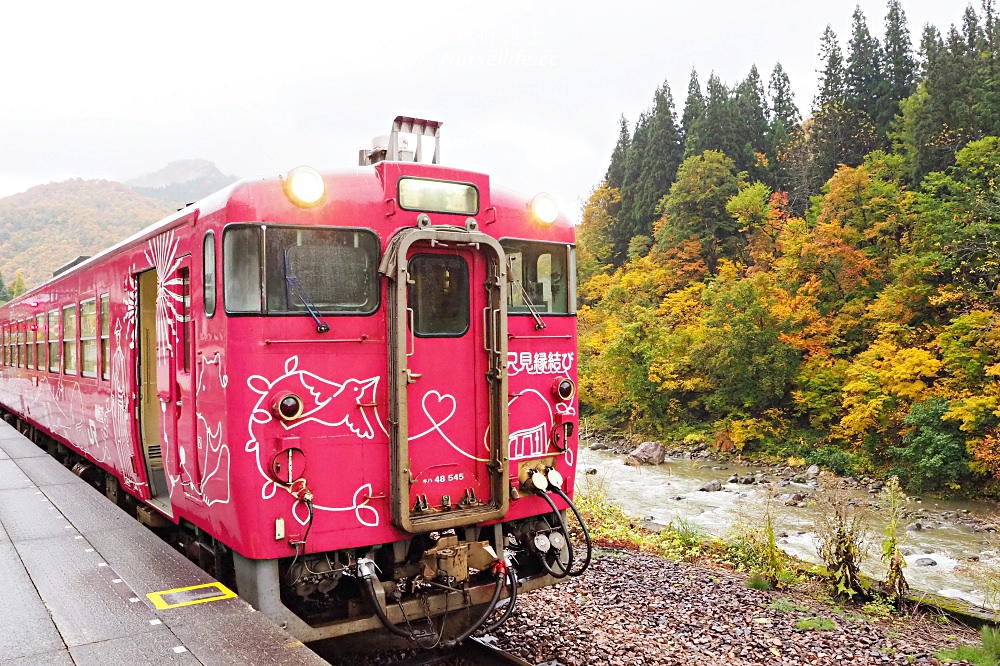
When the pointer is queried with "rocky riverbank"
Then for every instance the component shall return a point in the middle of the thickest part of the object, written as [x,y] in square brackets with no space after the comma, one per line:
[793,485]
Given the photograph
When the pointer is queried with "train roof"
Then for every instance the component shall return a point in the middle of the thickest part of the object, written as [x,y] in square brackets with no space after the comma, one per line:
[224,197]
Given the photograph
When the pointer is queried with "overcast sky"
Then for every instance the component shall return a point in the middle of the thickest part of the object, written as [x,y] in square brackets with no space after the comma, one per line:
[528,92]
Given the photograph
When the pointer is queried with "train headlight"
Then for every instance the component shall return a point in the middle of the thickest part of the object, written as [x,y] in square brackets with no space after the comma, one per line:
[288,406]
[564,389]
[304,187]
[544,207]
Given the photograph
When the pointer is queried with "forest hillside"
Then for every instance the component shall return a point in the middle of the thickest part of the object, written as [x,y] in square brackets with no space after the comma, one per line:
[823,287]
[49,225]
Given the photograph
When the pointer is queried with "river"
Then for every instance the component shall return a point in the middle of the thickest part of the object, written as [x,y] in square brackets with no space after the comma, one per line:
[965,561]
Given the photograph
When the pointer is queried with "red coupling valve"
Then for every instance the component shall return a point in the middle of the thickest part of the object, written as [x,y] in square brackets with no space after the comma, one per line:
[499,568]
[300,491]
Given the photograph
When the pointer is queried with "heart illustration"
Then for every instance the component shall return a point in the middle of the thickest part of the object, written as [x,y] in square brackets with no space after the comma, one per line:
[438,409]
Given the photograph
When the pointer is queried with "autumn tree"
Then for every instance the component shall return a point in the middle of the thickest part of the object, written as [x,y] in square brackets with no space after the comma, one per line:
[696,207]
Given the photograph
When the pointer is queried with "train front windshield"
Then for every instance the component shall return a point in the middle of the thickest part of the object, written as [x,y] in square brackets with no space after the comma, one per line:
[328,270]
[539,277]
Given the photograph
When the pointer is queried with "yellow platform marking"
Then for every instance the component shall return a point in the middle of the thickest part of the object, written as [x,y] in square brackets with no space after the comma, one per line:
[188,596]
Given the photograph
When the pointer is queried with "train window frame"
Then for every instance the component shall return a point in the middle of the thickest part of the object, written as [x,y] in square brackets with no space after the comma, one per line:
[29,343]
[88,311]
[104,327]
[22,355]
[227,298]
[267,309]
[40,342]
[184,329]
[419,326]
[209,279]
[70,362]
[415,206]
[570,278]
[54,317]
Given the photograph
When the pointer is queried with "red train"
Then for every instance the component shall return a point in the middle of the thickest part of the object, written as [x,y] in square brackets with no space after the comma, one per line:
[349,394]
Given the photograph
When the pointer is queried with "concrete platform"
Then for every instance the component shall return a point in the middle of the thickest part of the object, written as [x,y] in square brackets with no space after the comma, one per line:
[76,572]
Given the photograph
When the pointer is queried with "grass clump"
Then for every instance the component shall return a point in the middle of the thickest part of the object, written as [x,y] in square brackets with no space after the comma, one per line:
[753,547]
[985,654]
[815,624]
[782,605]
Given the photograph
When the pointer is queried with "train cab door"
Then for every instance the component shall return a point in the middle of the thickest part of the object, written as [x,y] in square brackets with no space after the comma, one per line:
[448,386]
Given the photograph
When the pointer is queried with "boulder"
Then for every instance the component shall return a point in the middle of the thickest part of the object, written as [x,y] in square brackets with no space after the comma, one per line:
[599,446]
[735,478]
[813,471]
[711,486]
[590,470]
[924,562]
[648,453]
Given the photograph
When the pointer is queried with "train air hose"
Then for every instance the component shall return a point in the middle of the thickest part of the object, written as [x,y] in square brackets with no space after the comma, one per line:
[583,526]
[567,570]
[563,571]
[366,572]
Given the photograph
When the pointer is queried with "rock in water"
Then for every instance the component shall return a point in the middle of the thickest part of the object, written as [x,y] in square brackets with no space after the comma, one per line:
[925,562]
[711,486]
[648,453]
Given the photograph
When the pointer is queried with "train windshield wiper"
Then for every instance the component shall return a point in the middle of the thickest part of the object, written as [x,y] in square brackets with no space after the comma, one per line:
[293,282]
[539,324]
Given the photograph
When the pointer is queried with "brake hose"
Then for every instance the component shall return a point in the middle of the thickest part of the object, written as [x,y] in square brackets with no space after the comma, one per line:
[583,526]
[511,600]
[492,606]
[565,532]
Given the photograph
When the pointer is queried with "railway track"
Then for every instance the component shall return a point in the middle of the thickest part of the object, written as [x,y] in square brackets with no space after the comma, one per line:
[473,652]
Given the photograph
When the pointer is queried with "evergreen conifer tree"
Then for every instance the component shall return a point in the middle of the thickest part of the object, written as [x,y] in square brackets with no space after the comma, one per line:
[864,67]
[625,224]
[750,112]
[693,116]
[899,70]
[662,156]
[719,129]
[831,78]
[615,177]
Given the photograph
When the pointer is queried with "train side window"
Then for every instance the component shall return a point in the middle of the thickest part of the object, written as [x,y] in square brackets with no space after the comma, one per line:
[22,354]
[105,338]
[184,331]
[241,288]
[54,341]
[208,261]
[88,338]
[27,346]
[40,341]
[29,343]
[69,339]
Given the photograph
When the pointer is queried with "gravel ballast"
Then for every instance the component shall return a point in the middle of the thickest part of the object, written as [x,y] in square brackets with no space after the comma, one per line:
[635,608]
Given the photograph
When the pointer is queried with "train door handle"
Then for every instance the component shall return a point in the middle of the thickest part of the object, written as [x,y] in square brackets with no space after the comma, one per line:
[411,376]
